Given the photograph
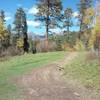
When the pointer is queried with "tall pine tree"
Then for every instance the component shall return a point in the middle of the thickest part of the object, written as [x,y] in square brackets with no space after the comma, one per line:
[2,16]
[49,12]
[21,27]
[9,29]
[68,20]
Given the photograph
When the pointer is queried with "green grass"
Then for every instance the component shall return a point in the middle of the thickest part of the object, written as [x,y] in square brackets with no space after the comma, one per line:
[20,65]
[84,72]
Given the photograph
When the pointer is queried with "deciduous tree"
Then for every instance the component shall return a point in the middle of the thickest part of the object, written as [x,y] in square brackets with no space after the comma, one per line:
[83,6]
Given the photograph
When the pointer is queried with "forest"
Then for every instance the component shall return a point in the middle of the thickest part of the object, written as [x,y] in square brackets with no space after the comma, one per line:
[16,40]
[50,50]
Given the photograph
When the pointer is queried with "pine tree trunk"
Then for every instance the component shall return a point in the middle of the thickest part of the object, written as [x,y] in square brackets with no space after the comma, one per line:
[47,30]
[46,37]
[47,27]
[79,35]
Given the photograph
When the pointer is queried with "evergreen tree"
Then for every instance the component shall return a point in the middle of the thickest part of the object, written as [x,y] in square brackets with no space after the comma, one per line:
[49,12]
[9,34]
[2,16]
[21,27]
[68,19]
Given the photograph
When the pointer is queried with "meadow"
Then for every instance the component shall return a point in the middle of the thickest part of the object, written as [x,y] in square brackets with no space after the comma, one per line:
[19,65]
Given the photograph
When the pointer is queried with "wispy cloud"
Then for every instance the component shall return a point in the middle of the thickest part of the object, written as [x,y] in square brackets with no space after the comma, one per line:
[33,23]
[75,14]
[57,30]
[26,9]
[8,18]
[33,10]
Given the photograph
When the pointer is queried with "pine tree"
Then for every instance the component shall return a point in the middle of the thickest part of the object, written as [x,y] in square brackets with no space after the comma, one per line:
[2,16]
[21,27]
[49,12]
[9,34]
[68,19]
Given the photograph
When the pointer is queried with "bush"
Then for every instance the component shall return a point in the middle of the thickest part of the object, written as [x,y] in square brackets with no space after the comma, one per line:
[10,51]
[79,45]
[20,43]
[67,47]
[41,46]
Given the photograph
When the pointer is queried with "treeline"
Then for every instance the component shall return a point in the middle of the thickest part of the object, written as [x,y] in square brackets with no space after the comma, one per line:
[52,15]
[14,41]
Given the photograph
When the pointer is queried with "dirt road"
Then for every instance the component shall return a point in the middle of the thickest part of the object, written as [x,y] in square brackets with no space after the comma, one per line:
[46,83]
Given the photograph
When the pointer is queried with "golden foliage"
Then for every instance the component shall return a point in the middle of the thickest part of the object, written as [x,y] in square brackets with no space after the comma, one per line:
[92,39]
[3,32]
[97,26]
[95,32]
[79,45]
[89,13]
[67,47]
[20,43]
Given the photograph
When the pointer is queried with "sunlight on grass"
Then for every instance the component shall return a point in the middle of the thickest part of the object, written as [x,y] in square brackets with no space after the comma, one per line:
[20,65]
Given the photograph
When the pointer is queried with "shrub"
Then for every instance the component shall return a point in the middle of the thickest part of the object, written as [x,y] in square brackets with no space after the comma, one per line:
[67,47]
[10,51]
[20,43]
[41,46]
[79,45]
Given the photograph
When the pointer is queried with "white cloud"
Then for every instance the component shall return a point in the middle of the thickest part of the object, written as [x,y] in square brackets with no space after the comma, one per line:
[33,10]
[26,9]
[33,23]
[75,14]
[8,18]
[57,30]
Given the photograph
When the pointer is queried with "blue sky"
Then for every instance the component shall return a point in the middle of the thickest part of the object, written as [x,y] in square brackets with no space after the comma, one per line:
[10,6]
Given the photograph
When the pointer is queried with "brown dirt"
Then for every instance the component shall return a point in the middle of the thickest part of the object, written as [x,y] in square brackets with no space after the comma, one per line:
[46,83]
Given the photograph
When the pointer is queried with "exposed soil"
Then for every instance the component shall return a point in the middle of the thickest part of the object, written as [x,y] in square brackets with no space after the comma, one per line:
[46,83]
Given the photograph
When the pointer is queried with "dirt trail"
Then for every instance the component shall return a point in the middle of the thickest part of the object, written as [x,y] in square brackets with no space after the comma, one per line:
[45,83]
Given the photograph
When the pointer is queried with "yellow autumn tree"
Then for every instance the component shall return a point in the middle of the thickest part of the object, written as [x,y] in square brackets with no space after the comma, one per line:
[79,45]
[94,41]
[20,43]
[3,36]
[3,32]
[88,21]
